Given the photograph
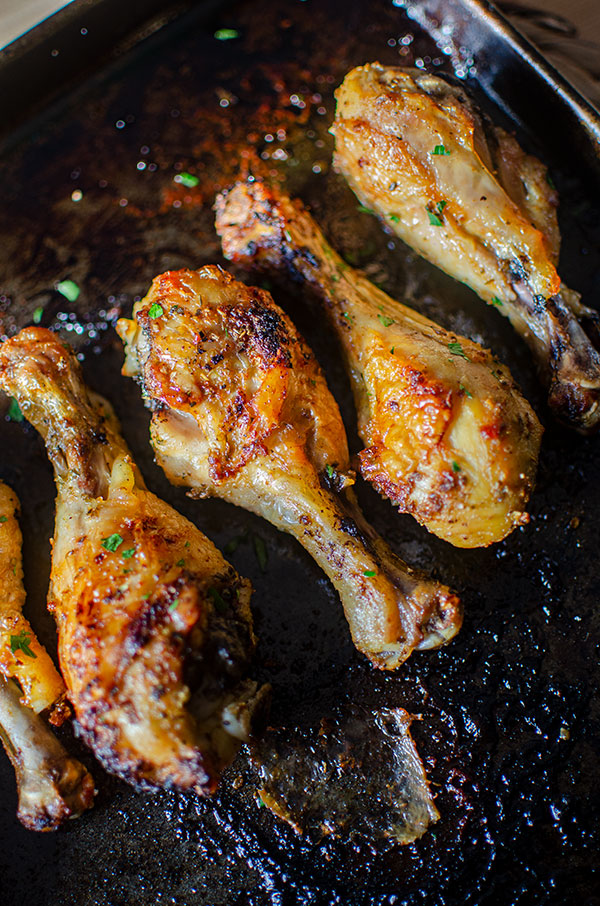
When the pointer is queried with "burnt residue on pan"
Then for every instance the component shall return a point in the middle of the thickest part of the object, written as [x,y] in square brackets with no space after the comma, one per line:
[120,188]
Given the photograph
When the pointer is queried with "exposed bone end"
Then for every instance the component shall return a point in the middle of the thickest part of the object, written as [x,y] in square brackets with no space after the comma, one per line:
[52,786]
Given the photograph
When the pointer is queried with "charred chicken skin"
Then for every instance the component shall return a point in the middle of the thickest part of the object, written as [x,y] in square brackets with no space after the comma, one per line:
[242,411]
[463,194]
[52,786]
[448,436]
[155,632]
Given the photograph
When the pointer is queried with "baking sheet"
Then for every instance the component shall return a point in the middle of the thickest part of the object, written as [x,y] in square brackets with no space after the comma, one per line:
[509,711]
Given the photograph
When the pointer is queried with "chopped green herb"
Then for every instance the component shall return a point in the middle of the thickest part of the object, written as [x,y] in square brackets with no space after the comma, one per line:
[313,382]
[347,316]
[233,545]
[456,349]
[395,218]
[260,549]
[387,322]
[145,597]
[550,181]
[14,412]
[180,562]
[3,519]
[455,466]
[465,391]
[441,205]
[329,470]
[226,34]
[496,301]
[287,235]
[392,350]
[186,179]
[220,604]
[68,289]
[187,544]
[112,542]
[155,310]
[441,151]
[21,642]
[369,573]
[496,375]
[174,605]
[128,553]
[434,220]
[364,209]
[37,314]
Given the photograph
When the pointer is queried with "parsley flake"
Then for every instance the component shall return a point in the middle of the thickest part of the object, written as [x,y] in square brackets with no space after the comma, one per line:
[180,562]
[260,550]
[68,289]
[441,151]
[465,391]
[387,322]
[455,466]
[186,179]
[112,542]
[369,573]
[174,605]
[37,314]
[456,349]
[364,209]
[496,301]
[14,411]
[218,599]
[226,34]
[329,470]
[434,220]
[395,218]
[3,519]
[21,642]
[128,553]
[155,310]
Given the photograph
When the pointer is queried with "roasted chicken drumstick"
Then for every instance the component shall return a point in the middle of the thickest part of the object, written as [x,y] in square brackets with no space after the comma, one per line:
[155,632]
[463,194]
[448,436]
[242,412]
[52,786]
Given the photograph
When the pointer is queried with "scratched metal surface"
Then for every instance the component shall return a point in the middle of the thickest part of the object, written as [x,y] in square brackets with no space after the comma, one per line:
[510,715]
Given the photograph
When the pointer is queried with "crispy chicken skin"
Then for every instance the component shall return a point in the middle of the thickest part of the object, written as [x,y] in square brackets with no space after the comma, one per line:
[448,436]
[242,411]
[155,631]
[464,195]
[52,786]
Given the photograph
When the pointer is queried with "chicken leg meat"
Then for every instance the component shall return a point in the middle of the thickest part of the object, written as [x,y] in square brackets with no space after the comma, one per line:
[448,436]
[241,411]
[52,786]
[463,194]
[154,627]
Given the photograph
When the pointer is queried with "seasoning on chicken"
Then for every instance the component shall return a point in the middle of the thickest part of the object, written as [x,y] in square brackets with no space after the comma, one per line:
[463,194]
[448,436]
[241,411]
[154,626]
[52,786]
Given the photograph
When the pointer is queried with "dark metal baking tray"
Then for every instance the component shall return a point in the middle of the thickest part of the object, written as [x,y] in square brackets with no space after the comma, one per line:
[510,717]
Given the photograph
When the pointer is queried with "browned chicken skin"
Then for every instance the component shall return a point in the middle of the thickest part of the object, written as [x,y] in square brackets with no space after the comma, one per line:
[242,412]
[155,631]
[448,436]
[463,194]
[52,786]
